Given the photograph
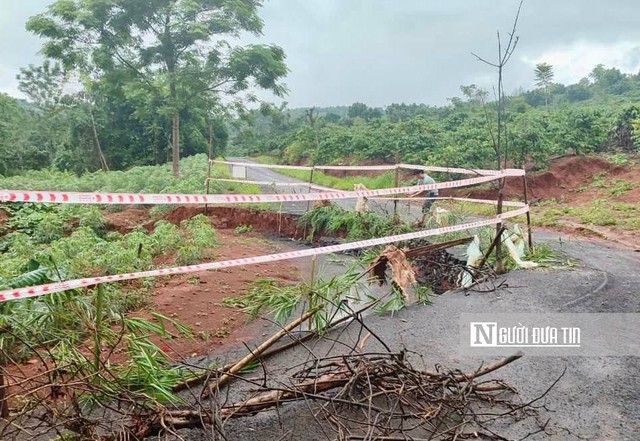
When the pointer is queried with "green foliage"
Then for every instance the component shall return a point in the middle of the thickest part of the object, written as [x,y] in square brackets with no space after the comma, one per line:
[198,236]
[177,72]
[269,294]
[326,297]
[598,114]
[242,229]
[142,179]
[85,252]
[600,212]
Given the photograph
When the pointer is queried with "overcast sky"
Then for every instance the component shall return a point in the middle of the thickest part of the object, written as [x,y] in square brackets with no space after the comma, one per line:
[385,51]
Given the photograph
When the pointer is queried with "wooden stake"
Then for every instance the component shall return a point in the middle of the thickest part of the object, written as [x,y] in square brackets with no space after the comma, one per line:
[526,201]
[396,182]
[499,267]
[304,232]
[97,340]
[495,243]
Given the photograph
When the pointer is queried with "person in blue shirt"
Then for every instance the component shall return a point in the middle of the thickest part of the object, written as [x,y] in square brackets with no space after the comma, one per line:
[424,179]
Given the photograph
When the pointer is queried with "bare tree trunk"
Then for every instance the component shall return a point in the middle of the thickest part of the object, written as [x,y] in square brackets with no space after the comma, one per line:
[175,143]
[96,140]
[211,147]
[175,131]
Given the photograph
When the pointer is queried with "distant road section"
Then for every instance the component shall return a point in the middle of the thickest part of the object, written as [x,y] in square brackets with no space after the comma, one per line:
[409,212]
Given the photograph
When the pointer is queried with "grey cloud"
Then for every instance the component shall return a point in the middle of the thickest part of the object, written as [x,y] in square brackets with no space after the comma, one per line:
[383,51]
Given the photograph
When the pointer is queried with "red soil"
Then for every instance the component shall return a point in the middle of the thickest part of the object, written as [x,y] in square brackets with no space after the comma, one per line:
[196,299]
[4,216]
[569,181]
[565,175]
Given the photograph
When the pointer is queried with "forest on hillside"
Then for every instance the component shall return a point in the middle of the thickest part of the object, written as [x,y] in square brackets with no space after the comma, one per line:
[54,128]
[596,115]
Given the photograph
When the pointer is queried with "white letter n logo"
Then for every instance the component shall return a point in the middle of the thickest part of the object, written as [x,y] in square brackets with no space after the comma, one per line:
[483,333]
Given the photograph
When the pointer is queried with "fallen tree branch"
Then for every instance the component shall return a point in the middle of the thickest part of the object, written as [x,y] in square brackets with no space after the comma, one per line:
[376,374]
[216,384]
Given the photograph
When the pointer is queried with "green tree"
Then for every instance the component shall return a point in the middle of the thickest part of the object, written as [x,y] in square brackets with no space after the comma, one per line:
[44,85]
[174,47]
[358,110]
[15,150]
[544,77]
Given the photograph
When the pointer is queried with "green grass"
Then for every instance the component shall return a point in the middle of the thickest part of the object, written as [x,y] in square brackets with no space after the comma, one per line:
[612,187]
[600,212]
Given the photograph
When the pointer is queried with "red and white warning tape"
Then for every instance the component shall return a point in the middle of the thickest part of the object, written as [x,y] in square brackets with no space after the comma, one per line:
[509,172]
[35,291]
[450,198]
[63,197]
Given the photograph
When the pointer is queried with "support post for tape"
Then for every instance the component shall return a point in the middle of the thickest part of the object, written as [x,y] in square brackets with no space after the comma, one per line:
[396,182]
[313,168]
[310,184]
[499,265]
[97,337]
[313,299]
[526,201]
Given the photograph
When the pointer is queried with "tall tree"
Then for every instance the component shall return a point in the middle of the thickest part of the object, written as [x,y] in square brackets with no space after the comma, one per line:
[177,48]
[544,77]
[44,86]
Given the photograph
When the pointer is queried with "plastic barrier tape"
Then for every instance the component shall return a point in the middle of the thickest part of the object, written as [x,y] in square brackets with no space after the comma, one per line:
[450,198]
[509,172]
[63,197]
[40,290]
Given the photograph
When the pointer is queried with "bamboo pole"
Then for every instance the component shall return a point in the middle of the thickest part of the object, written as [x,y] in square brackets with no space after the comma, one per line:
[97,349]
[4,402]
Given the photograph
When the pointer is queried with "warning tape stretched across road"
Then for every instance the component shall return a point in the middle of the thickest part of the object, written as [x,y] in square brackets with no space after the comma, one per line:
[509,172]
[451,198]
[63,197]
[35,291]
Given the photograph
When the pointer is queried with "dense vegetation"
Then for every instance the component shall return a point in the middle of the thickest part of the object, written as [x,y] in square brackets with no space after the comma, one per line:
[597,114]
